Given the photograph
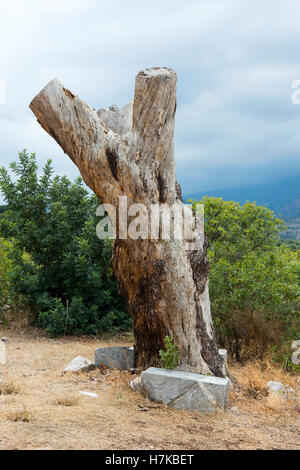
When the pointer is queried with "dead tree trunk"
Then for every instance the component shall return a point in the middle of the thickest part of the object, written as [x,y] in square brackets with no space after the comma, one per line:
[131,152]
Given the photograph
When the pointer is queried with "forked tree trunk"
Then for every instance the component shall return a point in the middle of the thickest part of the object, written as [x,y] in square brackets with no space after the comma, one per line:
[131,152]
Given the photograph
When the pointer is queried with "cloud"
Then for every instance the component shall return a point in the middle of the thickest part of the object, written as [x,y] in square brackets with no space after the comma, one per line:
[235,61]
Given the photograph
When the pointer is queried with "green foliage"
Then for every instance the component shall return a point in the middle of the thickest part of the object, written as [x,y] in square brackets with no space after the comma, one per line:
[57,258]
[293,245]
[169,357]
[3,209]
[283,355]
[5,270]
[254,283]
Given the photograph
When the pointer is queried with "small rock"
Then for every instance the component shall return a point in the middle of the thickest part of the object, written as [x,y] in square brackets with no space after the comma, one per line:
[4,308]
[80,364]
[89,394]
[135,371]
[135,384]
[223,353]
[276,387]
[295,344]
[296,357]
[282,390]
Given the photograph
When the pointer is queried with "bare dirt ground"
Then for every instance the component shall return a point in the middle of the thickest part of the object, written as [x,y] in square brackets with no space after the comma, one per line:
[41,409]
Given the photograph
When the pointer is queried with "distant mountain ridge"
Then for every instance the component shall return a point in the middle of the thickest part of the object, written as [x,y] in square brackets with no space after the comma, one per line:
[291,214]
[282,197]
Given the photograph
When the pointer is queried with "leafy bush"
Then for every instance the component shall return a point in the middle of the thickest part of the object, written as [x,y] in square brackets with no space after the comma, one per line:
[254,283]
[57,259]
[169,357]
[5,270]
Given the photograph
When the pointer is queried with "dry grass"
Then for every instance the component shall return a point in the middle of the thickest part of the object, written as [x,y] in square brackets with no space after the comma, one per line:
[254,336]
[55,416]
[9,388]
[20,415]
[254,377]
[256,374]
[66,399]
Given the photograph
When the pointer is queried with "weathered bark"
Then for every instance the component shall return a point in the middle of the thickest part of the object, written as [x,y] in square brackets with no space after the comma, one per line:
[131,152]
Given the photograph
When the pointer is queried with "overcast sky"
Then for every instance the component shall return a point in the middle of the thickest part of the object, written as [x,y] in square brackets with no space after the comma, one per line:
[235,59]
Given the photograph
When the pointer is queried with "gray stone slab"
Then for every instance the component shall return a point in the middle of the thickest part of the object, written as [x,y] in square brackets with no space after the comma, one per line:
[185,390]
[121,358]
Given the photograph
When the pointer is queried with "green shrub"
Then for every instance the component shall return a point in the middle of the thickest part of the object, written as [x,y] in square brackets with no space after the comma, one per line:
[56,258]
[169,357]
[5,270]
[254,280]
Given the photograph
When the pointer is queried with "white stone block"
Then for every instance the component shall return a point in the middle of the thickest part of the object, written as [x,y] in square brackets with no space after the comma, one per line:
[186,390]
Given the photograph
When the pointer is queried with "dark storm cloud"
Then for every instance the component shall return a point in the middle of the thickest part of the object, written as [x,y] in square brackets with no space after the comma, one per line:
[236,124]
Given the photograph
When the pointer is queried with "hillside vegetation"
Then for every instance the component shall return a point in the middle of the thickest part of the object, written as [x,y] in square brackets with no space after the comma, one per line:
[56,274]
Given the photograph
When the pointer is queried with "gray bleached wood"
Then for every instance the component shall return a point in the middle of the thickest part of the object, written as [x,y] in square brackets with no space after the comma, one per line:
[165,286]
[118,120]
